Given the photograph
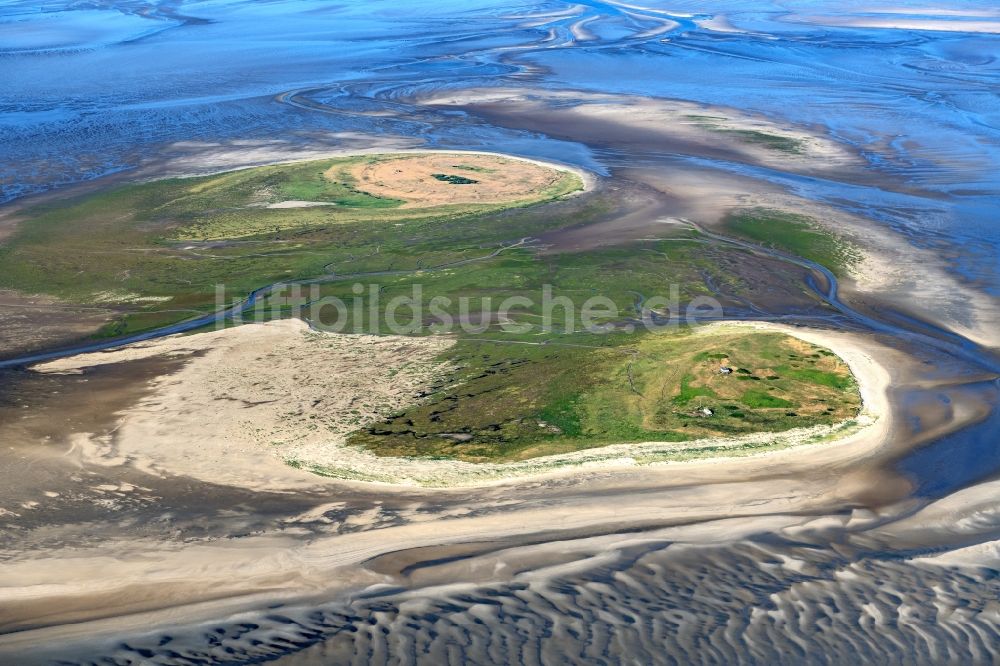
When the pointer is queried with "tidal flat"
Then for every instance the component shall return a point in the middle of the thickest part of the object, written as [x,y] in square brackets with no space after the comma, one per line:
[224,476]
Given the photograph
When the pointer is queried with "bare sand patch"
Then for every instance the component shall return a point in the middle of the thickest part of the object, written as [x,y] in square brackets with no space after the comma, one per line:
[253,395]
[719,23]
[298,204]
[424,180]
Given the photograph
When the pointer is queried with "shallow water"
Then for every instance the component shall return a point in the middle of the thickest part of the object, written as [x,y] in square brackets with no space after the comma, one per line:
[144,88]
[93,91]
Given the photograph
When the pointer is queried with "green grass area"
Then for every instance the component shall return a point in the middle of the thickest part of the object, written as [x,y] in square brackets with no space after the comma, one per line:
[688,392]
[785,144]
[454,180]
[797,235]
[157,250]
[758,399]
[131,323]
[509,402]
[175,239]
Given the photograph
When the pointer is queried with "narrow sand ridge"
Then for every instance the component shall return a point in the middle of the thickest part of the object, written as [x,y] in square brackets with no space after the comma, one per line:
[930,20]
[257,395]
[713,130]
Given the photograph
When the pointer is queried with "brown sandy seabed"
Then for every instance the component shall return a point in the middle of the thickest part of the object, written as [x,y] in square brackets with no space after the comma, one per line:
[658,563]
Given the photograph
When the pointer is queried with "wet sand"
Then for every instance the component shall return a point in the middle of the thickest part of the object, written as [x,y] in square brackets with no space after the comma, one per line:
[280,565]
[330,549]
[647,125]
[417,558]
[30,322]
[883,555]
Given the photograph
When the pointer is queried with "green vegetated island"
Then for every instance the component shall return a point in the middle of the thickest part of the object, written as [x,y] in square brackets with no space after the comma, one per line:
[456,225]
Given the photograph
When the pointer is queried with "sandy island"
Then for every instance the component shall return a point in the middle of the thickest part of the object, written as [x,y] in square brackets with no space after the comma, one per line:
[257,405]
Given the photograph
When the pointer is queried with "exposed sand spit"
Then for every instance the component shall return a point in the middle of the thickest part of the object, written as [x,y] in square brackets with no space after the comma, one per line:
[294,203]
[254,394]
[924,20]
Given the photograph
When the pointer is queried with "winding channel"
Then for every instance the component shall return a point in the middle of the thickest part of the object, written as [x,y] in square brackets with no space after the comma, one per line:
[826,289]
[783,574]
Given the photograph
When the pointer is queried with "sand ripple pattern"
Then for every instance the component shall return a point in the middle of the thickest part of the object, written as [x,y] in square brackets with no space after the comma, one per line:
[756,602]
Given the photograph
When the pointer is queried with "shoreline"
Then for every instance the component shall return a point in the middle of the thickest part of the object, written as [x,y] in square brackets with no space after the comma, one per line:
[872,424]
